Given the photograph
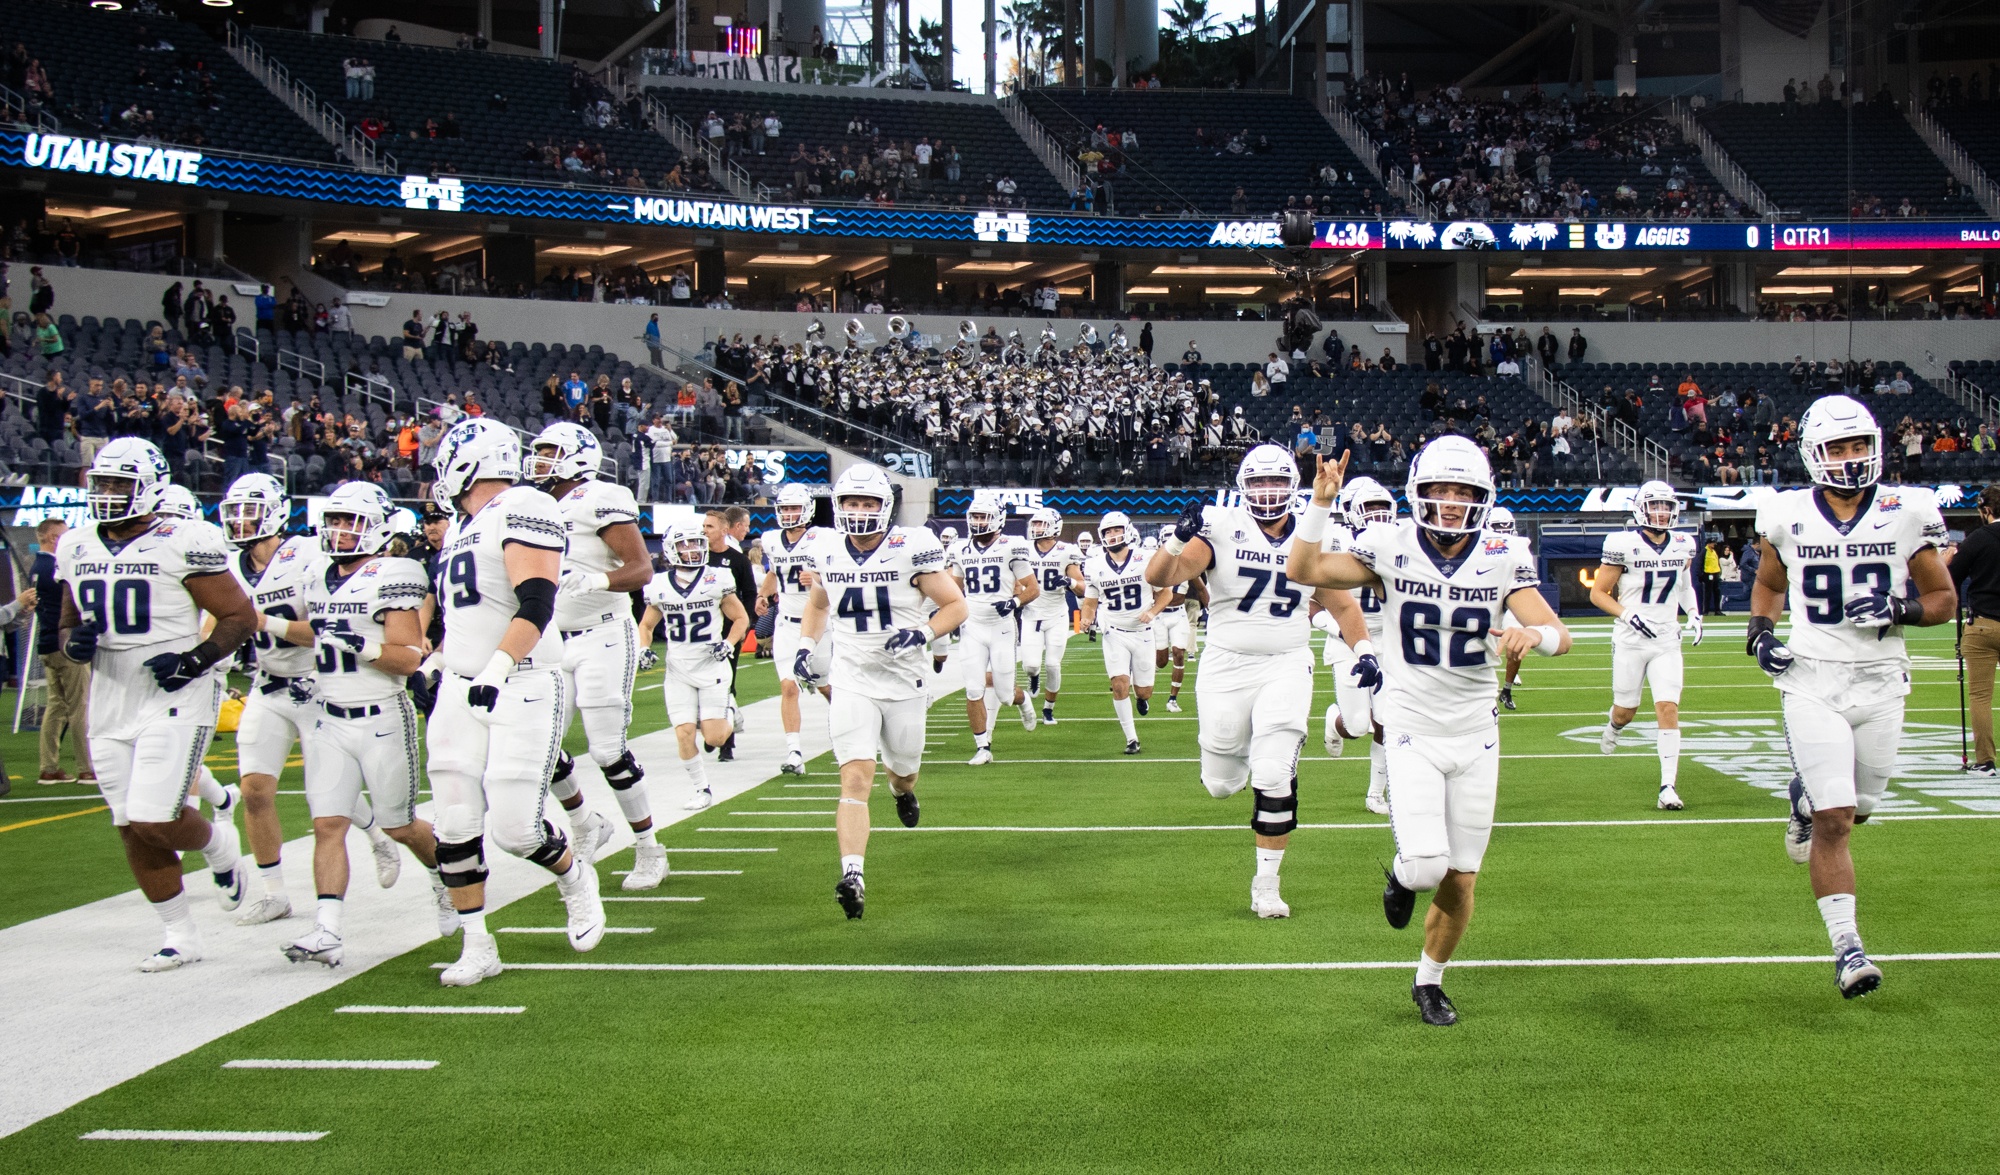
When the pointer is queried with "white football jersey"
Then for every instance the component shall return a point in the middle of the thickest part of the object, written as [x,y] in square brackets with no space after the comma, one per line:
[1119,588]
[136,594]
[1829,563]
[280,590]
[989,573]
[586,510]
[1052,576]
[1252,606]
[791,562]
[690,604]
[357,603]
[1650,580]
[1340,537]
[870,595]
[1438,620]
[473,589]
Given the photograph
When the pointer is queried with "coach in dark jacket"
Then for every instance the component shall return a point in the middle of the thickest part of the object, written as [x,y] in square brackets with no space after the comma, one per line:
[1975,569]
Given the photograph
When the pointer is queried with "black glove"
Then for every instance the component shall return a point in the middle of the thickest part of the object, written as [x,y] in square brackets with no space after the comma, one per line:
[906,638]
[174,670]
[424,692]
[82,643]
[482,697]
[1772,655]
[1880,610]
[1007,607]
[1367,671]
[1188,526]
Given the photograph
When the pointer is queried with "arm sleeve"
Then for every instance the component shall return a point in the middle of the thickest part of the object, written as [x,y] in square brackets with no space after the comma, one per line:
[1690,603]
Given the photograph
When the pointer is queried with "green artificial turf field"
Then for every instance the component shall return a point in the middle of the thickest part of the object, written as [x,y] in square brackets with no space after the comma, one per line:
[1057,973]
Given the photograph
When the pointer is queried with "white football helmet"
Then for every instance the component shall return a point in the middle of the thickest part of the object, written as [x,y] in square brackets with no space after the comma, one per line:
[355,520]
[174,501]
[1045,523]
[475,449]
[1656,506]
[1500,520]
[1114,530]
[1364,501]
[1450,460]
[687,544]
[119,476]
[1839,418]
[863,481]
[1085,541]
[987,515]
[564,452]
[404,524]
[1268,479]
[795,506]
[254,509]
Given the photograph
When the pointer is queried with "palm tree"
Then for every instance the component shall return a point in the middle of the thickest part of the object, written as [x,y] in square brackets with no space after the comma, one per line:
[1031,25]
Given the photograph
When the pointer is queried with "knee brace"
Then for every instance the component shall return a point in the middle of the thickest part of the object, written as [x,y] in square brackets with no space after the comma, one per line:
[1275,811]
[564,765]
[1421,873]
[462,863]
[1223,775]
[554,845]
[624,773]
[1052,676]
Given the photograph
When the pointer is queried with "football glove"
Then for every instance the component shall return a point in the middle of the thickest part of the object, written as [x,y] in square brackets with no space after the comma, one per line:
[174,670]
[907,638]
[1694,628]
[1880,610]
[1006,607]
[648,660]
[424,691]
[1187,527]
[720,650]
[1367,671]
[1772,655]
[575,581]
[1637,623]
[802,669]
[342,641]
[82,643]
[484,692]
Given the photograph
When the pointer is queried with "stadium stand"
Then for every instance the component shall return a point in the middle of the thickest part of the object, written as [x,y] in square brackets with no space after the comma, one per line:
[1786,149]
[1605,156]
[1976,127]
[841,128]
[147,75]
[1169,152]
[514,116]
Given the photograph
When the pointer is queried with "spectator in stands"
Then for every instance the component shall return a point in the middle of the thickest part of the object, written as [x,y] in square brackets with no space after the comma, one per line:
[1578,345]
[413,336]
[267,308]
[49,342]
[1192,356]
[1278,371]
[1900,385]
[574,393]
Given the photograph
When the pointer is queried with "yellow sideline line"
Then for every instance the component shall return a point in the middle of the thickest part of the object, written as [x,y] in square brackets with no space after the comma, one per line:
[51,819]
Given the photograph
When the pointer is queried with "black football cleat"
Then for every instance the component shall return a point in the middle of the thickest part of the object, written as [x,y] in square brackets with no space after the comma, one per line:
[1132,746]
[906,808]
[851,893]
[1434,1004]
[1507,697]
[1398,901]
[1142,706]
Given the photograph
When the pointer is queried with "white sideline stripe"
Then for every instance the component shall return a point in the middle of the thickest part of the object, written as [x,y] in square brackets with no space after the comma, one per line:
[656,898]
[718,851]
[811,785]
[1350,827]
[795,799]
[1140,761]
[565,929]
[256,1064]
[780,815]
[1354,965]
[203,1136]
[433,1009]
[687,872]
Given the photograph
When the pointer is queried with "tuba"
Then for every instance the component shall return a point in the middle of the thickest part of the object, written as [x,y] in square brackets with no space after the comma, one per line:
[968,331]
[898,326]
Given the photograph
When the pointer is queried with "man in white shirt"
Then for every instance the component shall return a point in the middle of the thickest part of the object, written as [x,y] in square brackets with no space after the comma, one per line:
[1277,371]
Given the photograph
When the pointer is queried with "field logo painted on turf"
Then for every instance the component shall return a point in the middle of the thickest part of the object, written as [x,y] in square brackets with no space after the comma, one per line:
[1753,750]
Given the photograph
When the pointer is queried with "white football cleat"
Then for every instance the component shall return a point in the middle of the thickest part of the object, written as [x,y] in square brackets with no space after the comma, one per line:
[231,896]
[269,908]
[480,959]
[1670,800]
[702,798]
[591,837]
[1173,705]
[585,905]
[1264,899]
[1377,803]
[178,951]
[795,763]
[1028,715]
[980,757]
[1334,741]
[388,861]
[735,717]
[319,945]
[232,795]
[1608,741]
[649,868]
[448,919]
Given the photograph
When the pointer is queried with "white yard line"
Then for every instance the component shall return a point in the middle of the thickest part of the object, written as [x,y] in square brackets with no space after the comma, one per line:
[651,898]
[254,1064]
[1357,826]
[203,1136]
[432,1010]
[565,929]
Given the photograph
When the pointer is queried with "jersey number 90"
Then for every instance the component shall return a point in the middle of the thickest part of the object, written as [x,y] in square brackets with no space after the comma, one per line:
[126,608]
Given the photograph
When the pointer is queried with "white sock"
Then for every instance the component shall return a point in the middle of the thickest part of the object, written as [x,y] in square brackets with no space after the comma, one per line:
[1837,909]
[273,878]
[223,849]
[210,788]
[174,912]
[437,879]
[634,802]
[992,700]
[850,863]
[1670,757]
[1378,769]
[1612,723]
[792,742]
[567,788]
[328,914]
[1268,861]
[473,921]
[1123,708]
[648,835]
[697,769]
[983,739]
[1430,972]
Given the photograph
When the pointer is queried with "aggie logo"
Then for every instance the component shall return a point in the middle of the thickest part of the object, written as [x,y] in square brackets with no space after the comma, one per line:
[1246,232]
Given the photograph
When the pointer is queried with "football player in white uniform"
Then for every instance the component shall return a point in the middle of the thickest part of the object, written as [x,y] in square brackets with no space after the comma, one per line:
[167,500]
[1644,579]
[996,573]
[1844,557]
[361,612]
[1254,692]
[1350,641]
[1045,626]
[874,584]
[605,562]
[498,721]
[787,586]
[703,621]
[1445,588]
[1173,635]
[134,590]
[1118,600]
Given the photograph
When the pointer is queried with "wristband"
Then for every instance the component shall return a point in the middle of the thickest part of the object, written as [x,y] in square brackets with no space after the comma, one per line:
[1551,639]
[1323,620]
[370,651]
[498,666]
[930,634]
[599,581]
[263,622]
[1173,546]
[808,644]
[1312,524]
[1365,648]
